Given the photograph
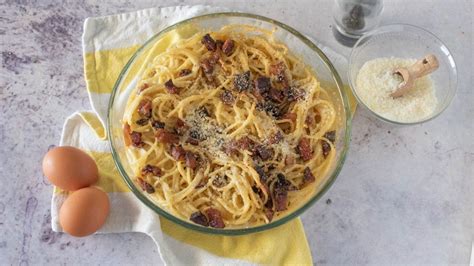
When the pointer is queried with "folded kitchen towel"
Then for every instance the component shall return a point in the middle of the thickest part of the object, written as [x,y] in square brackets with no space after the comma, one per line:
[108,43]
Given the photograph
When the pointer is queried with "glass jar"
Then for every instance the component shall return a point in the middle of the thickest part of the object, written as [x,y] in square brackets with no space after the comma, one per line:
[355,17]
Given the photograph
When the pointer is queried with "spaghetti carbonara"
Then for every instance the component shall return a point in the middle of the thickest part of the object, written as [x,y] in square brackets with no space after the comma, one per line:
[229,129]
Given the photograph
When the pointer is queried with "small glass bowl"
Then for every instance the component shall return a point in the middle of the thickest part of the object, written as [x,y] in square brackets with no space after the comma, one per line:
[302,47]
[406,41]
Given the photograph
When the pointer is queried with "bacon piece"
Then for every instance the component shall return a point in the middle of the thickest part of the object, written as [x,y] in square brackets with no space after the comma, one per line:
[276,95]
[178,153]
[281,199]
[144,108]
[228,47]
[326,148]
[180,127]
[184,72]
[280,193]
[136,138]
[304,149]
[215,218]
[163,136]
[331,136]
[209,42]
[207,65]
[199,218]
[278,70]
[308,176]
[263,152]
[171,88]
[246,143]
[227,97]
[275,138]
[262,85]
[242,81]
[145,186]
[290,116]
[191,160]
[230,148]
[283,182]
[150,169]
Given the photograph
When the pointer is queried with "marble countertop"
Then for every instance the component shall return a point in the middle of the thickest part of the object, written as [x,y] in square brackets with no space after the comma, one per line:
[403,196]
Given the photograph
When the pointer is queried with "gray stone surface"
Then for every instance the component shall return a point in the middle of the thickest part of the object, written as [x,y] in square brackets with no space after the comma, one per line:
[404,195]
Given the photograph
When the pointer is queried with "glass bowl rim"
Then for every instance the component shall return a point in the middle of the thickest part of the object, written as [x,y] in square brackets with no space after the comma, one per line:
[233,231]
[390,28]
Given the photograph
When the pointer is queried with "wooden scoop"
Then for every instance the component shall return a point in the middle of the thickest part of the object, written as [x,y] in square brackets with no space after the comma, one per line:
[422,67]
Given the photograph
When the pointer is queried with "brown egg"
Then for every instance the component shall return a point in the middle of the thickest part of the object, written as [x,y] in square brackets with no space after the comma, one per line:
[70,168]
[84,211]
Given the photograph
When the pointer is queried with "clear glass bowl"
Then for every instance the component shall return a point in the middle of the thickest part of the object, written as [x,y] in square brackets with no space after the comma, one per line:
[406,41]
[299,44]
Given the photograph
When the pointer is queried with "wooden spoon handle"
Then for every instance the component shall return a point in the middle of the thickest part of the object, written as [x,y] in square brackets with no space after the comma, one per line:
[424,66]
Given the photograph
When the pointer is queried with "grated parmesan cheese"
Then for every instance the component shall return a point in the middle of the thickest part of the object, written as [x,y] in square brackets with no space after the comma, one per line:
[375,81]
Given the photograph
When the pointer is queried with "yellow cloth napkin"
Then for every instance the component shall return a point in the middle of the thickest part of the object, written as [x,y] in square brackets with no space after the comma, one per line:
[108,43]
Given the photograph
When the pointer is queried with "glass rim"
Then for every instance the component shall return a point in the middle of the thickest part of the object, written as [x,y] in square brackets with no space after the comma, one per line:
[393,28]
[234,231]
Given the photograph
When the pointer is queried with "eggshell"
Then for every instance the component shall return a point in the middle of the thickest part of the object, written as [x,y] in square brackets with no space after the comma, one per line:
[70,168]
[84,211]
